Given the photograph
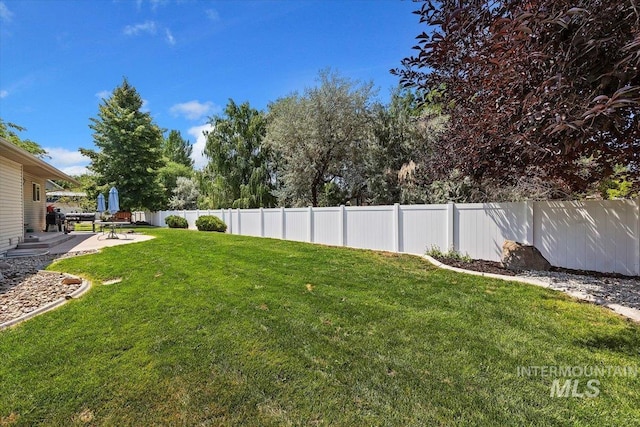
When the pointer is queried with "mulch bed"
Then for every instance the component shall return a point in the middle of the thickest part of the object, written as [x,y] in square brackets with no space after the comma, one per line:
[497,268]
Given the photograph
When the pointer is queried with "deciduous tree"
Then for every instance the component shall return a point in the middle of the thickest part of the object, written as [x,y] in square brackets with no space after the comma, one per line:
[8,132]
[320,138]
[238,173]
[538,89]
[185,194]
[399,157]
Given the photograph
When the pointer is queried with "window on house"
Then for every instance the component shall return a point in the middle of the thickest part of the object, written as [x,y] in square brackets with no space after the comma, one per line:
[36,192]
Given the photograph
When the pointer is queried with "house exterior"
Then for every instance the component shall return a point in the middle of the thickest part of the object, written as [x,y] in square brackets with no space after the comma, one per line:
[22,193]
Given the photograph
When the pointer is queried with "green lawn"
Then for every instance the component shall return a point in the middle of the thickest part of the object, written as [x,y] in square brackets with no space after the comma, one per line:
[214,329]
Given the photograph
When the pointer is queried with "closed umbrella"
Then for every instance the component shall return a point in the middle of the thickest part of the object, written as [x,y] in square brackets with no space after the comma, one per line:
[101,203]
[114,203]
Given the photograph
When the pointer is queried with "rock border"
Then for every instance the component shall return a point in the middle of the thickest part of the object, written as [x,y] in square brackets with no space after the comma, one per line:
[84,287]
[628,312]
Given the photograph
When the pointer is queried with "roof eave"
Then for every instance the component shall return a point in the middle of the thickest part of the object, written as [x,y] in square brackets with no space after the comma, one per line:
[31,163]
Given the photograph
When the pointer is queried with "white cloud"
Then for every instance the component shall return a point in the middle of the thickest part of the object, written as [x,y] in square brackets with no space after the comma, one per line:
[149,27]
[103,94]
[4,94]
[63,157]
[212,14]
[75,170]
[193,110]
[170,39]
[156,3]
[5,14]
[69,162]
[145,106]
[199,159]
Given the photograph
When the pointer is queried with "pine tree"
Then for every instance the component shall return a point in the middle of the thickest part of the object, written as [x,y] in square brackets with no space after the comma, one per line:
[177,149]
[129,149]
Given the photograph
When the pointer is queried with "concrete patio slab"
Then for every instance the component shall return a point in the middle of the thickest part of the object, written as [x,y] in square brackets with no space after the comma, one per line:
[87,241]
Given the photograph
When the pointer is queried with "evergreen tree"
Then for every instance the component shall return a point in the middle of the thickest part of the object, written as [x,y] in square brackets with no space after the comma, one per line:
[129,150]
[177,149]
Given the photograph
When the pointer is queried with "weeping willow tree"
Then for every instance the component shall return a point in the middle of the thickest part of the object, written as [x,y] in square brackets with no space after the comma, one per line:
[238,173]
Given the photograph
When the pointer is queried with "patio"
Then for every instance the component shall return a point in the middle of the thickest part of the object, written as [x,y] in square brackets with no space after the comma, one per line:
[77,241]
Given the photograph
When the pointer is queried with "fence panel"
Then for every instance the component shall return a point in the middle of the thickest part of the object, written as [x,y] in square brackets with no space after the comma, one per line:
[272,223]
[192,216]
[422,227]
[370,227]
[251,222]
[296,223]
[482,228]
[326,226]
[593,235]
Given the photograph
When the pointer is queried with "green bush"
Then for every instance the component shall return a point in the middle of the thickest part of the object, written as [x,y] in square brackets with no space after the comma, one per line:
[211,223]
[175,221]
[437,253]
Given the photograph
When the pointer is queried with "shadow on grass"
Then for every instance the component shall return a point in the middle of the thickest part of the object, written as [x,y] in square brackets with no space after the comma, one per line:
[625,341]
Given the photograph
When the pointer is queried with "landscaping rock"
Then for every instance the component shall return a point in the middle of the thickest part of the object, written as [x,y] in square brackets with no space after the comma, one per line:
[516,256]
[71,281]
[25,287]
[4,265]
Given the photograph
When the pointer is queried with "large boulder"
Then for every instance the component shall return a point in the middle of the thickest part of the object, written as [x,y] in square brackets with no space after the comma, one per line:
[516,256]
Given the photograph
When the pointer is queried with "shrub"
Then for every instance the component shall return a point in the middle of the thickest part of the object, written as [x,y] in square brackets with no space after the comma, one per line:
[211,223]
[175,221]
[437,253]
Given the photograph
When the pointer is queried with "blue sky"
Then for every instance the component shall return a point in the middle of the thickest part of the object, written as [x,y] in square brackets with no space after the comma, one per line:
[186,58]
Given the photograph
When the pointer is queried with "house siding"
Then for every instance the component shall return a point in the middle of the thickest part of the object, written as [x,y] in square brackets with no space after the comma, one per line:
[11,213]
[34,211]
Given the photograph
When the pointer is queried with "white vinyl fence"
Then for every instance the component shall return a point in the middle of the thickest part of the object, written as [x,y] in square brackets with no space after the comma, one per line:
[591,235]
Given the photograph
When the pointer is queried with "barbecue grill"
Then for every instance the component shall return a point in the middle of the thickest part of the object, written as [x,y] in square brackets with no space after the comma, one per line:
[55,219]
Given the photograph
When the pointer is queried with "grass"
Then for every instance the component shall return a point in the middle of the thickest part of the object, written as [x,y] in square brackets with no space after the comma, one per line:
[87,226]
[214,329]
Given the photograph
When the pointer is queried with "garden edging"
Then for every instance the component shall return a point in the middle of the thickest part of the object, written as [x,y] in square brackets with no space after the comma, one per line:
[84,287]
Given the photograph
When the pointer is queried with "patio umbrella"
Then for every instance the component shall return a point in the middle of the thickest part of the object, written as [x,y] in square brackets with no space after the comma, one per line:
[114,203]
[101,203]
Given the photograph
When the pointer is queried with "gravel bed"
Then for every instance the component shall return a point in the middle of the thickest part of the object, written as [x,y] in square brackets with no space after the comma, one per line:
[617,290]
[24,287]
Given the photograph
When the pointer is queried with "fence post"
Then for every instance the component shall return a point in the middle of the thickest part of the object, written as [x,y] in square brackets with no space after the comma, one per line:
[528,223]
[396,227]
[283,223]
[239,221]
[450,227]
[310,226]
[341,224]
[261,222]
